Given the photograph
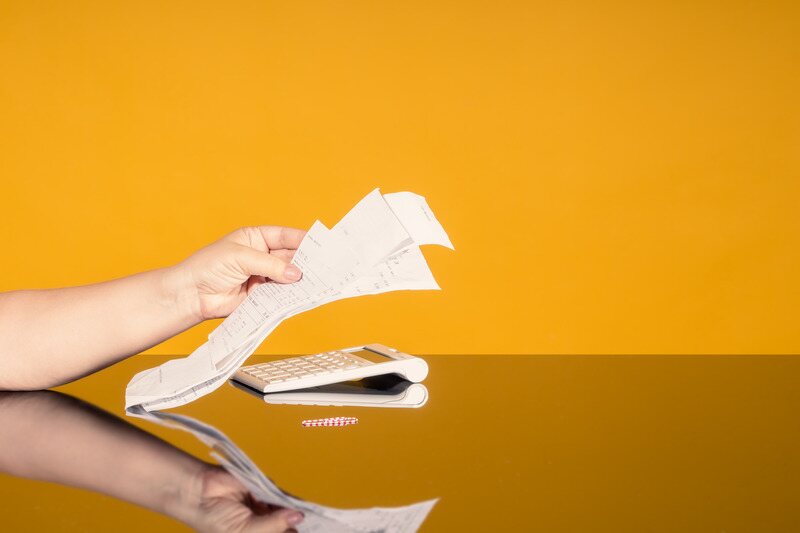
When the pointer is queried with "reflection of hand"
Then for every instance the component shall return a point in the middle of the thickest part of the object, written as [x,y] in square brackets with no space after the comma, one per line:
[45,435]
[218,277]
[218,502]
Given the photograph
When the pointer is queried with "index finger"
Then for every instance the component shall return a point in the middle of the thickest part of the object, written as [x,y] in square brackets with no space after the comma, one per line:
[279,237]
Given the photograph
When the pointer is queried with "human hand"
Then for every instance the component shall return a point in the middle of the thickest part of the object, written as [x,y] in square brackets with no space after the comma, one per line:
[217,278]
[218,502]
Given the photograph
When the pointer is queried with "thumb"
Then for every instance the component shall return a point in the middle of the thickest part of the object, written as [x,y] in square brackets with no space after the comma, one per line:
[280,521]
[256,263]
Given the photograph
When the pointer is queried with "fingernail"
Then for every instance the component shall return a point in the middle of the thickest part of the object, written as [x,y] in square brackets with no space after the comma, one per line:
[294,518]
[292,272]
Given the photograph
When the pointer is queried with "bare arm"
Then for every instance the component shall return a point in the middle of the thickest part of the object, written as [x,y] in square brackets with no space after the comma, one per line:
[50,337]
[46,436]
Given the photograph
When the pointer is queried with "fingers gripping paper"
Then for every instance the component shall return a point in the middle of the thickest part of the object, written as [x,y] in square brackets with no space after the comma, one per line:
[372,250]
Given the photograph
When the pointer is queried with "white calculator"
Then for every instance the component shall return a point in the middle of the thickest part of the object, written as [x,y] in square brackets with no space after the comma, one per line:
[331,367]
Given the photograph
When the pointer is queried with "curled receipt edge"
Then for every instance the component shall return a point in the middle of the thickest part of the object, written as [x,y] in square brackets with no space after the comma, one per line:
[372,250]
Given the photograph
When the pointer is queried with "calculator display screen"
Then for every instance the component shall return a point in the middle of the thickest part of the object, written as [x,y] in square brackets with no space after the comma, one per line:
[371,356]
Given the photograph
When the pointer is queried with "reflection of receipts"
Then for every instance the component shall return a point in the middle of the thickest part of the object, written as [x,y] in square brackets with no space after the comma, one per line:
[373,249]
[317,517]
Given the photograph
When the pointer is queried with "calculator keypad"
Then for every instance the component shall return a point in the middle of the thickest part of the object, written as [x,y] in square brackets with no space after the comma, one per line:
[304,367]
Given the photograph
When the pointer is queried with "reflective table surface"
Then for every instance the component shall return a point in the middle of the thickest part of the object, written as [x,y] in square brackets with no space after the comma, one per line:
[519,443]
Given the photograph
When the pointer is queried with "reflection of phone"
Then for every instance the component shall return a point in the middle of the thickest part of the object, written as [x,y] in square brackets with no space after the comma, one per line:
[379,391]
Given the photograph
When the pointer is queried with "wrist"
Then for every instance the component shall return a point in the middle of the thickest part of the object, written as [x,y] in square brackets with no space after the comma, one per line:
[183,498]
[180,293]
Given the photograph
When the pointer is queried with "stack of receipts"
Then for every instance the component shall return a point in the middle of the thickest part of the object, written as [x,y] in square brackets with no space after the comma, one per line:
[373,249]
[318,518]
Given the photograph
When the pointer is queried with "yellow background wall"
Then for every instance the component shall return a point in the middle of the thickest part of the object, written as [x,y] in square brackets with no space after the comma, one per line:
[616,177]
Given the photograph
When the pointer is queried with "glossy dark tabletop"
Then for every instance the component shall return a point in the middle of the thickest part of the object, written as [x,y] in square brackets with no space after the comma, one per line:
[533,443]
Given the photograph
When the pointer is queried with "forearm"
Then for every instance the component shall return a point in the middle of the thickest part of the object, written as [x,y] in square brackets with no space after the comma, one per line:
[46,436]
[50,337]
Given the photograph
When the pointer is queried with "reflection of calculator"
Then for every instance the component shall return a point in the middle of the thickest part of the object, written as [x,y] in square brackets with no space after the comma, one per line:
[387,390]
[331,367]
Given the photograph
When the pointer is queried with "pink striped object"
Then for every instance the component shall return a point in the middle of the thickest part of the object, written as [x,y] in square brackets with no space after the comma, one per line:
[328,422]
